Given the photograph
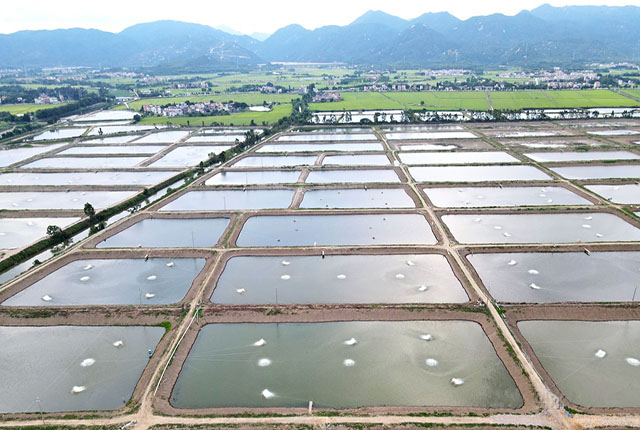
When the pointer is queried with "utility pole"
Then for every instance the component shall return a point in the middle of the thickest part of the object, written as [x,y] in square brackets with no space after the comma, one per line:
[40,408]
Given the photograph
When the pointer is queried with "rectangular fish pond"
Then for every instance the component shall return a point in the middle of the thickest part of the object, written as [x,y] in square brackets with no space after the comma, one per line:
[13,155]
[627,194]
[153,281]
[356,160]
[308,230]
[476,197]
[255,177]
[541,228]
[227,200]
[477,173]
[19,232]
[84,162]
[599,172]
[549,277]
[85,178]
[276,161]
[357,198]
[113,149]
[321,147]
[353,176]
[27,200]
[469,157]
[326,137]
[169,233]
[72,368]
[344,365]
[594,364]
[186,156]
[338,279]
[431,135]
[545,157]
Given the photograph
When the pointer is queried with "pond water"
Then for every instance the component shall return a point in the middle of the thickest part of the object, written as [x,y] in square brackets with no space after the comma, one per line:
[84,162]
[10,156]
[307,230]
[229,200]
[357,176]
[582,156]
[541,228]
[599,172]
[164,137]
[277,161]
[357,198]
[338,279]
[113,129]
[255,177]
[627,194]
[27,200]
[477,174]
[467,197]
[456,157]
[60,133]
[432,135]
[356,160]
[613,132]
[85,178]
[108,115]
[300,362]
[117,149]
[569,358]
[169,233]
[156,281]
[47,363]
[320,147]
[110,140]
[19,232]
[526,134]
[221,138]
[186,156]
[544,277]
[336,130]
[428,147]
[325,137]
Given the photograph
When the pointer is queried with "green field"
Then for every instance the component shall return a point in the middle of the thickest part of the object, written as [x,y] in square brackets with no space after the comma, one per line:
[634,93]
[20,109]
[559,99]
[248,98]
[241,118]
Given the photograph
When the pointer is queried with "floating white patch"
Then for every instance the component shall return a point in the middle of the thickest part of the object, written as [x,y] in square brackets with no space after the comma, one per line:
[633,361]
[599,235]
[260,342]
[533,272]
[351,341]
[85,278]
[46,298]
[88,362]
[264,362]
[267,394]
[423,288]
[456,381]
[341,276]
[497,227]
[588,218]
[149,296]
[505,234]
[426,337]
[285,277]
[586,226]
[87,267]
[78,389]
[241,291]
[534,286]
[349,362]
[512,263]
[410,263]
[399,276]
[118,343]
[170,264]
[431,362]
[285,263]
[601,354]
[477,220]
[152,278]
[549,200]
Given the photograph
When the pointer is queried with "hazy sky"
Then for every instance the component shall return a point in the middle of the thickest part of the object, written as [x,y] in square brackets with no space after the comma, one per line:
[246,16]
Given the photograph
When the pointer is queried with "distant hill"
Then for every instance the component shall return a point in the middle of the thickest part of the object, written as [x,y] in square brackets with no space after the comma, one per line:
[543,36]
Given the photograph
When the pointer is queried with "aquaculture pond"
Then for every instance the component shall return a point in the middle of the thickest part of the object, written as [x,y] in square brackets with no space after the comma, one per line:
[255,177]
[463,197]
[355,176]
[357,198]
[19,232]
[95,131]
[594,364]
[169,233]
[308,230]
[320,147]
[85,178]
[186,156]
[431,135]
[582,156]
[599,172]
[140,281]
[218,138]
[28,200]
[60,133]
[110,140]
[339,279]
[276,161]
[469,157]
[543,277]
[13,155]
[113,149]
[71,368]
[225,200]
[344,365]
[623,194]
[477,173]
[84,162]
[541,228]
[164,137]
[326,137]
[356,160]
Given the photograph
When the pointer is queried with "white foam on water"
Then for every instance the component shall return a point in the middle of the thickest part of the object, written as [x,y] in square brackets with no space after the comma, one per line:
[477,220]
[78,389]
[85,278]
[260,342]
[87,267]
[542,195]
[285,263]
[341,276]
[533,272]
[423,288]
[149,296]
[152,278]
[431,362]
[351,341]
[349,362]
[264,362]
[241,291]
[46,298]
[118,343]
[534,286]
[497,227]
[285,277]
[505,234]
[586,226]
[601,353]
[588,218]
[456,381]
[267,394]
[426,337]
[633,361]
[410,263]
[599,235]
[549,200]
[399,276]
[512,263]
[88,362]
[171,264]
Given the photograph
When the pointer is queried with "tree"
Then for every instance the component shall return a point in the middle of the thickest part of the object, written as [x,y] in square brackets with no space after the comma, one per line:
[89,210]
[136,118]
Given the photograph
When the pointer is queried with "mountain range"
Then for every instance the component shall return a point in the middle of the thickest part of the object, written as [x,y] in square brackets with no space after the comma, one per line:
[543,36]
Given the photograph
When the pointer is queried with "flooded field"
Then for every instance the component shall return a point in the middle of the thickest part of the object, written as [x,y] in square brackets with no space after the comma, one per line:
[541,228]
[84,163]
[300,362]
[186,156]
[277,161]
[582,156]
[357,198]
[169,233]
[11,156]
[476,197]
[545,277]
[225,200]
[477,173]
[60,200]
[599,172]
[19,232]
[85,178]
[255,177]
[623,194]
[339,279]
[594,364]
[354,176]
[308,230]
[113,282]
[320,147]
[456,158]
[356,160]
[72,368]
